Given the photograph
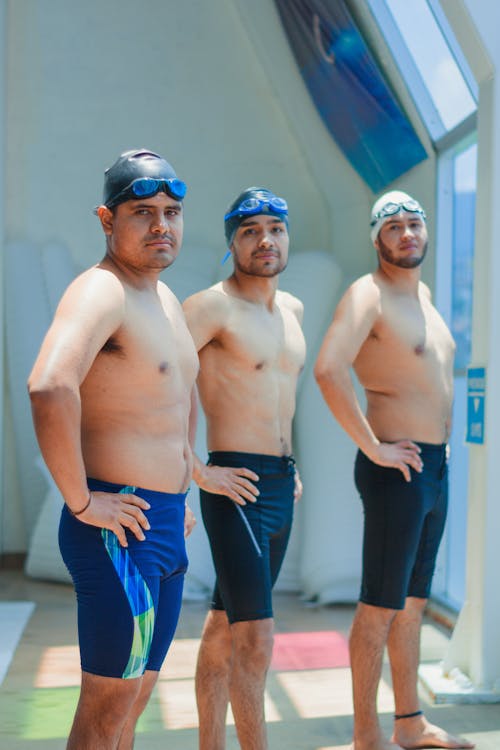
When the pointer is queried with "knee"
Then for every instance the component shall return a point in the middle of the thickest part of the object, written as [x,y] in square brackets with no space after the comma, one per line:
[253,645]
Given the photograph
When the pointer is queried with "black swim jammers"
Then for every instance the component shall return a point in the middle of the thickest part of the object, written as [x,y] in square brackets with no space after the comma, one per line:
[404,524]
[249,542]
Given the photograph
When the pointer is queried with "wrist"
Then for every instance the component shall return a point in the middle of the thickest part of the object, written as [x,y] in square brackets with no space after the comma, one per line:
[81,510]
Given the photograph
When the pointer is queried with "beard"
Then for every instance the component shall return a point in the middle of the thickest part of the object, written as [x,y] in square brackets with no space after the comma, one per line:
[401,262]
[256,268]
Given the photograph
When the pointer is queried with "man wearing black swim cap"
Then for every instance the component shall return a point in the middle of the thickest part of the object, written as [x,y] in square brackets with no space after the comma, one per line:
[111,393]
[251,347]
[387,329]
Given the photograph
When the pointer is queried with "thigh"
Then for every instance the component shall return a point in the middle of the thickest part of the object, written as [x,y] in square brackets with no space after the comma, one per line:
[115,604]
[241,562]
[432,533]
[167,612]
[394,514]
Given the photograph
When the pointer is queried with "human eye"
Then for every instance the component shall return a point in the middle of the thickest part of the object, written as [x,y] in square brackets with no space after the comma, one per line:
[278,230]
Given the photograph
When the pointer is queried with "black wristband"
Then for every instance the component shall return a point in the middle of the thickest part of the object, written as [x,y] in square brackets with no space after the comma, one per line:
[79,512]
[408,716]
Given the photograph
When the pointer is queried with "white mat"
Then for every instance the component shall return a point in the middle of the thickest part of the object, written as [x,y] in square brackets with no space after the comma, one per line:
[13,619]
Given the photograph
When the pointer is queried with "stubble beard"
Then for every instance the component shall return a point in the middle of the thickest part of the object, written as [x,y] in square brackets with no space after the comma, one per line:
[401,262]
[261,271]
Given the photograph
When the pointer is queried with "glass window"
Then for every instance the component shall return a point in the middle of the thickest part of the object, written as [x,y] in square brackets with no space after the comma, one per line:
[436,72]
[464,205]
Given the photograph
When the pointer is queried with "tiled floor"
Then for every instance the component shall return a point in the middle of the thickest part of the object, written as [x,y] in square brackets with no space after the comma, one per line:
[308,702]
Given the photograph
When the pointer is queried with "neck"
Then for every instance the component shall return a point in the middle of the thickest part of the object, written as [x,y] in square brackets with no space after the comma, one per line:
[259,289]
[145,278]
[406,279]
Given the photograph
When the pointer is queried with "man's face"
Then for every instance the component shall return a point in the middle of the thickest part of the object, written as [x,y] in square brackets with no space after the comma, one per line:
[403,240]
[144,234]
[260,246]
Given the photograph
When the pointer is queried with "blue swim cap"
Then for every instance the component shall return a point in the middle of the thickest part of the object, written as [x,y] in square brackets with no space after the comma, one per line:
[253,201]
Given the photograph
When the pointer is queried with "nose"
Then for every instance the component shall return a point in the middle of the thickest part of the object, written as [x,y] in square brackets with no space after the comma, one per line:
[266,240]
[159,223]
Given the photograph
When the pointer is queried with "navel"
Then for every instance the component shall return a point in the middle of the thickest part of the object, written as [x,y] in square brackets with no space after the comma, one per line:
[419,349]
[259,365]
[164,367]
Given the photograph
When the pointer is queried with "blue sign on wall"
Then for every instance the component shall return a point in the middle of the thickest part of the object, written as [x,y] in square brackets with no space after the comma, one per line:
[476,394]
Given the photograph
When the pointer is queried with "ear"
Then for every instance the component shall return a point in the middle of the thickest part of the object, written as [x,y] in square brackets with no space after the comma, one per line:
[106,217]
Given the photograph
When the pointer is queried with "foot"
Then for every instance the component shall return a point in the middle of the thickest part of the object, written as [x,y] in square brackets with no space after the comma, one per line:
[374,742]
[417,733]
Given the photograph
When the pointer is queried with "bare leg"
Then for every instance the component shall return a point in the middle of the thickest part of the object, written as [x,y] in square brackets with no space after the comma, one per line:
[252,650]
[404,654]
[148,682]
[212,680]
[101,712]
[369,633]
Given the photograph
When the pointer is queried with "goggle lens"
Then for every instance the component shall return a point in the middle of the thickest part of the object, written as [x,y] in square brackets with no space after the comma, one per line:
[144,187]
[252,206]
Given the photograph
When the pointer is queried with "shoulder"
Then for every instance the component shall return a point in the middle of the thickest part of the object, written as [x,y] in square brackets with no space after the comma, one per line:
[212,301]
[290,302]
[96,289]
[365,292]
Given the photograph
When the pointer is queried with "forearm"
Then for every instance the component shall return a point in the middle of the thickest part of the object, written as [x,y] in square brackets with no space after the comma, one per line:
[338,391]
[56,416]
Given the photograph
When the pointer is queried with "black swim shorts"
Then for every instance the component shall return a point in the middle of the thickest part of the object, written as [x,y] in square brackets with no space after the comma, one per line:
[249,542]
[404,524]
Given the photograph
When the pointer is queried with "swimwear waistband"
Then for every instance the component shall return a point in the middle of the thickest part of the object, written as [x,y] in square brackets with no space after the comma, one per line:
[258,462]
[98,485]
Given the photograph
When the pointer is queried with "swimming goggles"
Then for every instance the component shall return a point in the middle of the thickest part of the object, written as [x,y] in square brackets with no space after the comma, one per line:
[252,206]
[391,208]
[146,187]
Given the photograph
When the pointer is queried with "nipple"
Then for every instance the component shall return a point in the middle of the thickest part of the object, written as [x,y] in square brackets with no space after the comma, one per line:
[419,349]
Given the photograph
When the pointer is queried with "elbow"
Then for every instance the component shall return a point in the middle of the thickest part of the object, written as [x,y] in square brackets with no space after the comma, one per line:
[322,373]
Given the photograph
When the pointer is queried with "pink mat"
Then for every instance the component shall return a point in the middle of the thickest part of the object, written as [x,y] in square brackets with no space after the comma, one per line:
[313,650]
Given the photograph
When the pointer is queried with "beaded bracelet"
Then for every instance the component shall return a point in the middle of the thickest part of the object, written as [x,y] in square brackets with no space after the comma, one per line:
[79,512]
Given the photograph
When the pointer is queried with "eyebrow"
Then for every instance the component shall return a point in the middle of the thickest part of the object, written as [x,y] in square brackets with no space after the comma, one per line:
[252,222]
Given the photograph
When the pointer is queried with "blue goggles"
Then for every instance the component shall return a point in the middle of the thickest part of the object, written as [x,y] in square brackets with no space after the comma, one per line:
[390,209]
[146,187]
[253,206]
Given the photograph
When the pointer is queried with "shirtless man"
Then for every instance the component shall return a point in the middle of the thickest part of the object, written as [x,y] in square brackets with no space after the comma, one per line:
[402,352]
[252,350]
[111,394]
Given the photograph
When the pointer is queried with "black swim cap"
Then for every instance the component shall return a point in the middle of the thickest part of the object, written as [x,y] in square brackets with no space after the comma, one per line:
[253,201]
[130,166]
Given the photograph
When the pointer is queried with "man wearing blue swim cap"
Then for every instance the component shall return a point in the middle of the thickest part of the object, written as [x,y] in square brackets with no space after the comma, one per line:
[387,329]
[251,347]
[111,394]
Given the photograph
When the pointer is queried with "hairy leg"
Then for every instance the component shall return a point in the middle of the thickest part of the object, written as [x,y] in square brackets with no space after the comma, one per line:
[369,633]
[101,712]
[252,651]
[404,654]
[212,681]
[148,682]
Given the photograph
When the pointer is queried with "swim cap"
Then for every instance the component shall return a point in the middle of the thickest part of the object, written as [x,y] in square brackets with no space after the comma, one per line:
[136,164]
[253,201]
[388,205]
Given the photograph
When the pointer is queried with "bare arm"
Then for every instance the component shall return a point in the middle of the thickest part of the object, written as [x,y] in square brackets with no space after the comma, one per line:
[90,311]
[354,318]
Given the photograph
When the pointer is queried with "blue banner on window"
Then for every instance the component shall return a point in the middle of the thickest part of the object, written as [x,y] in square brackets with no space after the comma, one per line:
[349,91]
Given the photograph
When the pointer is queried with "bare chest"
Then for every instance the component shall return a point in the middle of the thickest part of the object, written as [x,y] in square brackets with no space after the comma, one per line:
[153,343]
[411,338]
[257,341]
